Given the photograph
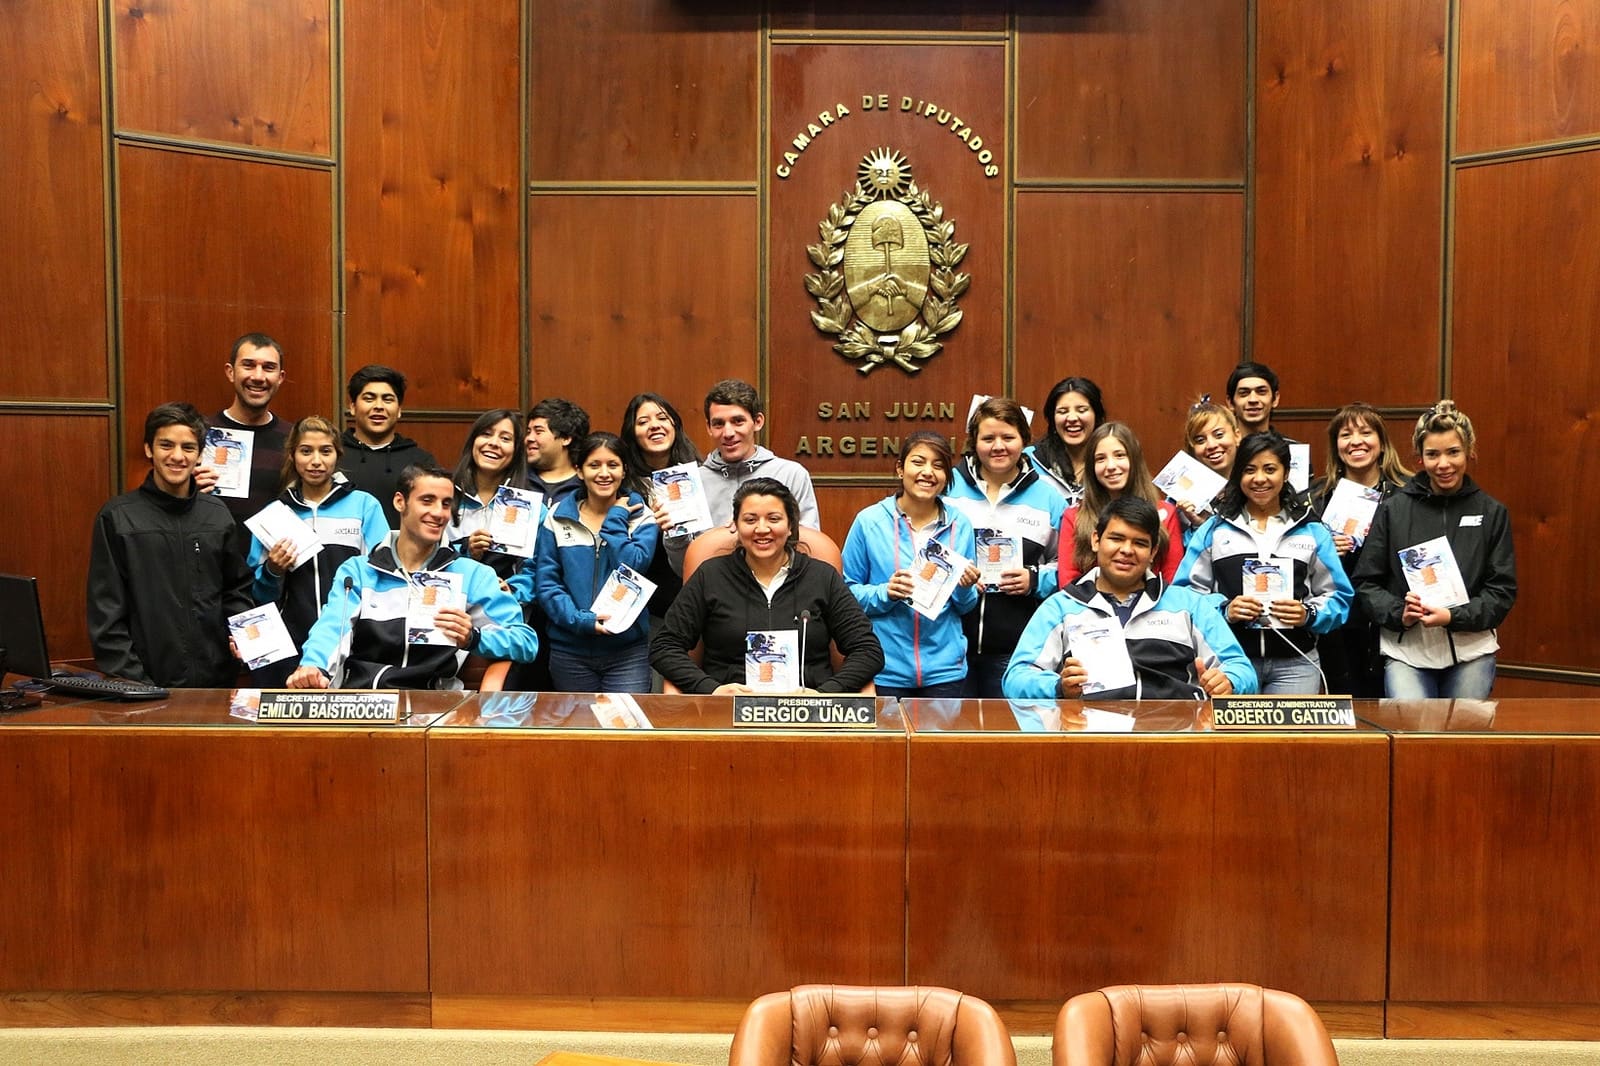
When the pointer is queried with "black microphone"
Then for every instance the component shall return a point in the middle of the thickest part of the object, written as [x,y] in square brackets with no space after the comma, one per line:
[337,676]
[805,620]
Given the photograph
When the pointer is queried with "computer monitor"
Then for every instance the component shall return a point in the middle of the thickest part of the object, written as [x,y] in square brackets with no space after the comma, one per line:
[22,647]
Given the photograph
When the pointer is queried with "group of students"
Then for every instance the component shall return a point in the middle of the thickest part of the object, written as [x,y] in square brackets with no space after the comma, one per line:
[1095,541]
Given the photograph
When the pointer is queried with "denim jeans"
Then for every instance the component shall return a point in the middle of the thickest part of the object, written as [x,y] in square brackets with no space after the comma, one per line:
[1289,675]
[1470,680]
[623,670]
[984,672]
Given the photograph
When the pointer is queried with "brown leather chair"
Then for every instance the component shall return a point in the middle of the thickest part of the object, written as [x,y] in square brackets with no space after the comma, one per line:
[1192,1025]
[722,540]
[844,1025]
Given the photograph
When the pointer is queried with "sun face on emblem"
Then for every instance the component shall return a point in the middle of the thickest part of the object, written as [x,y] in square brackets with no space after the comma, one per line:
[885,172]
[887,283]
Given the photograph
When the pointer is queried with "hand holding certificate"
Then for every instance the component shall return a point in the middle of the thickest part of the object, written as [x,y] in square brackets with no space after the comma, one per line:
[260,637]
[1100,648]
[1186,480]
[998,551]
[1432,574]
[431,592]
[935,573]
[277,522]
[229,453]
[621,598]
[1265,581]
[772,660]
[1350,508]
[513,521]
[678,490]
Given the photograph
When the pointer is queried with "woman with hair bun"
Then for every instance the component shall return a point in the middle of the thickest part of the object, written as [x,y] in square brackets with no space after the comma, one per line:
[1432,651]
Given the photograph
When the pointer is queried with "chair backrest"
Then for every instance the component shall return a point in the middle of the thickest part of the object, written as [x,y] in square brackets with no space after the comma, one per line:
[848,1025]
[721,541]
[1159,1025]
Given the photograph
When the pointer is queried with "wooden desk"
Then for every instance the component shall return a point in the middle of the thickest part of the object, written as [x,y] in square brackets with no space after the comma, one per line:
[576,865]
[167,863]
[1049,864]
[1495,917]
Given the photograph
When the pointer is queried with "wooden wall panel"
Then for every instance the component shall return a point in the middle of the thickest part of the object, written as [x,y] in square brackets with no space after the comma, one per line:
[432,197]
[966,86]
[1139,291]
[52,277]
[1348,197]
[213,248]
[1143,89]
[1528,688]
[1527,263]
[642,294]
[241,71]
[839,504]
[643,90]
[53,542]
[1527,72]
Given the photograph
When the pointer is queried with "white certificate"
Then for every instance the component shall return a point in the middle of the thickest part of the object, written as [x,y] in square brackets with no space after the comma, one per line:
[230,453]
[998,551]
[621,598]
[935,572]
[1266,580]
[260,636]
[1350,508]
[1186,479]
[1299,465]
[1432,573]
[431,592]
[772,660]
[277,521]
[513,521]
[1101,649]
[619,710]
[680,491]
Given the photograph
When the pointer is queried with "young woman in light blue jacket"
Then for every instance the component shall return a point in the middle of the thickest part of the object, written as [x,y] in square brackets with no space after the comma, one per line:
[923,657]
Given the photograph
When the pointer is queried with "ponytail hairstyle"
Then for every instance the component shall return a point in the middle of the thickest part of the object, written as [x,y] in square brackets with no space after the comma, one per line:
[1445,417]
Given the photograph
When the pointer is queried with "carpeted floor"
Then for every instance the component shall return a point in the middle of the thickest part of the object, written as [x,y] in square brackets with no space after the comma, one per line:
[175,1046]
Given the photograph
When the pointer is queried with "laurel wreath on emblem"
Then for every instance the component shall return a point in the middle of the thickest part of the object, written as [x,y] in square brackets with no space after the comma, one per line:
[886,175]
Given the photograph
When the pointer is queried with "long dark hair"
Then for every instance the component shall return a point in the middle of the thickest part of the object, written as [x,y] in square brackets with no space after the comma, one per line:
[633,456]
[1232,500]
[466,474]
[1096,497]
[935,442]
[1051,449]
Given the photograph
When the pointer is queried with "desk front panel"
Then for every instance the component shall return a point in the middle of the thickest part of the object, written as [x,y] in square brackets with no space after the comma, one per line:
[200,855]
[1048,865]
[684,861]
[1495,895]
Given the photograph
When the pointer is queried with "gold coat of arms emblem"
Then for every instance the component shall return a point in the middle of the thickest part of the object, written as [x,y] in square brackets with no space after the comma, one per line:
[887,284]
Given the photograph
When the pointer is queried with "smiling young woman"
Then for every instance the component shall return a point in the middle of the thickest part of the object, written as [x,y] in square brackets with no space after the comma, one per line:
[1116,469]
[1432,651]
[491,456]
[923,657]
[586,536]
[1260,518]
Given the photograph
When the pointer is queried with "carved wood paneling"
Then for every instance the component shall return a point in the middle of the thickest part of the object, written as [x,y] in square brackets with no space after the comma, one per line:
[432,197]
[53,275]
[1140,292]
[1528,72]
[211,249]
[1348,196]
[1146,89]
[644,90]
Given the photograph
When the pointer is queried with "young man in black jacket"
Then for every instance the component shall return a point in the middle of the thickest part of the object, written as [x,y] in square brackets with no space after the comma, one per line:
[165,568]
[374,451]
